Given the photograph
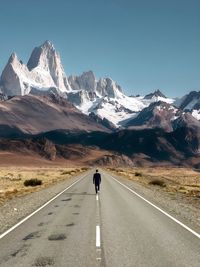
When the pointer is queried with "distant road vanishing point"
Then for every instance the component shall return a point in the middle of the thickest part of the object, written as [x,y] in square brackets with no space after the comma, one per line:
[114,228]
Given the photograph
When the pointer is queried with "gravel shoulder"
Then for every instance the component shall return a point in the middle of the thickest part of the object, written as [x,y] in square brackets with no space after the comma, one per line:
[18,208]
[184,208]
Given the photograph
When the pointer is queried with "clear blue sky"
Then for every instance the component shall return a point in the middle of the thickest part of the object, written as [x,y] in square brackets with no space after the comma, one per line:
[142,44]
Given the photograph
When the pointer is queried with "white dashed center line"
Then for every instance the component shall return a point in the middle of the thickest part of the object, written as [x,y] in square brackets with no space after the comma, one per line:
[98,231]
[98,238]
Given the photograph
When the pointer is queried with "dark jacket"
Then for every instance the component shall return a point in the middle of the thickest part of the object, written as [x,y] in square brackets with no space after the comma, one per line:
[97,178]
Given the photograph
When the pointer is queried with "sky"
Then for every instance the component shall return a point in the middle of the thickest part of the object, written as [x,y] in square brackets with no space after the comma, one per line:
[143,45]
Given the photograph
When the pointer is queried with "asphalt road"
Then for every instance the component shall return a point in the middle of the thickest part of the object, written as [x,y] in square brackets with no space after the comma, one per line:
[117,228]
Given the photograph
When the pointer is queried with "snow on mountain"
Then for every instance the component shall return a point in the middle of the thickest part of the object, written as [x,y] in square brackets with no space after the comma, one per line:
[187,120]
[196,114]
[15,77]
[158,96]
[156,93]
[108,87]
[117,109]
[156,115]
[45,59]
[43,71]
[189,101]
[104,98]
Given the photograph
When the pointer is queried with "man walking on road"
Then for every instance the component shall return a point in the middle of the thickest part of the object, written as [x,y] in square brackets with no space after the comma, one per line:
[97,181]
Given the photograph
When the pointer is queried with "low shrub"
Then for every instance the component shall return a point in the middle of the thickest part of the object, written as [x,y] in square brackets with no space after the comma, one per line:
[84,168]
[157,182]
[32,182]
[65,172]
[138,174]
[10,192]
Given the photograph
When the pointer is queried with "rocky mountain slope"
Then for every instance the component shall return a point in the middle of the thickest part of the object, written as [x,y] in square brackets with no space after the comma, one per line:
[34,114]
[156,115]
[191,103]
[126,147]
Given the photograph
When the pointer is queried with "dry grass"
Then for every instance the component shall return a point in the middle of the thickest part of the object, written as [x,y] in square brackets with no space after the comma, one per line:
[12,179]
[183,180]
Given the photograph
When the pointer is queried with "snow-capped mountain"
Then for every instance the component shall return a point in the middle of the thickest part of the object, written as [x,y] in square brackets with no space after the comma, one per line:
[43,71]
[156,115]
[186,120]
[103,98]
[190,102]
[93,88]
[46,61]
[156,93]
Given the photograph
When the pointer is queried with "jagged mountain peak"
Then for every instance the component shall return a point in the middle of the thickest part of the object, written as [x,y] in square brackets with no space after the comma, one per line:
[86,81]
[108,87]
[189,101]
[12,58]
[44,70]
[159,104]
[157,93]
[43,56]
[10,81]
[88,73]
[48,44]
[46,58]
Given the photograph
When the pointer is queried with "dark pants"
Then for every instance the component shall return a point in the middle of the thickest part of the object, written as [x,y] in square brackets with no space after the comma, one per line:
[97,187]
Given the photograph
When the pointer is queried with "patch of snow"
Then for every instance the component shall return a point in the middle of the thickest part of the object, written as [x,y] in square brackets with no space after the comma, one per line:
[108,111]
[174,118]
[196,114]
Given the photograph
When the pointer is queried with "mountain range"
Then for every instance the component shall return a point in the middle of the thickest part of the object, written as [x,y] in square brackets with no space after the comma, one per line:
[38,97]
